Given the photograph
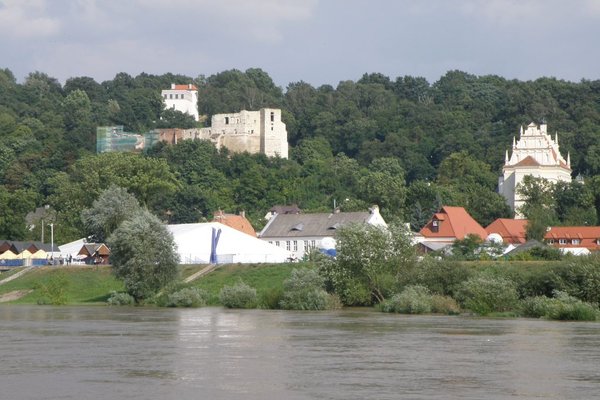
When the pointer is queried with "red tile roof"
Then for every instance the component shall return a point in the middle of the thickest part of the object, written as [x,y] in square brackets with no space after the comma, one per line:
[511,230]
[238,222]
[453,222]
[584,236]
[184,87]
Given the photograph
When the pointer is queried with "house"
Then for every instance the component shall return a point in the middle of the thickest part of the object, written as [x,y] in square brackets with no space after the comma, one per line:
[94,253]
[19,253]
[512,231]
[195,245]
[283,209]
[300,233]
[574,239]
[534,154]
[238,222]
[182,98]
[446,226]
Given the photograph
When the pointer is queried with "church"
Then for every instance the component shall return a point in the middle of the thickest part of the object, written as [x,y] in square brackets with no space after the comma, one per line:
[535,154]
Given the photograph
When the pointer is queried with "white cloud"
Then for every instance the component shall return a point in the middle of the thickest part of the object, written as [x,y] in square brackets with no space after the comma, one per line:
[25,19]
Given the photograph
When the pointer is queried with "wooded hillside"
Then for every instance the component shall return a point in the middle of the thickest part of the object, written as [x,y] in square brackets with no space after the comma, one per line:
[402,143]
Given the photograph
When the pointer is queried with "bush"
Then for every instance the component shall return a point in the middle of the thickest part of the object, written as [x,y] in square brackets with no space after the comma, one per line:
[239,295]
[537,306]
[561,307]
[444,305]
[54,292]
[439,276]
[270,298]
[303,290]
[483,294]
[120,299]
[414,299]
[187,297]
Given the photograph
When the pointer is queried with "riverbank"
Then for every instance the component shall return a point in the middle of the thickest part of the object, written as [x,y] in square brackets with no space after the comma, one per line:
[94,285]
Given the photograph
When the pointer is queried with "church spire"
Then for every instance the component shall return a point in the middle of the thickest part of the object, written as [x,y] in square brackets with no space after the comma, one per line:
[506,158]
[556,137]
[521,131]
[569,159]
[515,140]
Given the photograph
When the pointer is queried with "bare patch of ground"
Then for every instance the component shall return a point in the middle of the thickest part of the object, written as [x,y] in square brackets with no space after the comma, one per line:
[14,295]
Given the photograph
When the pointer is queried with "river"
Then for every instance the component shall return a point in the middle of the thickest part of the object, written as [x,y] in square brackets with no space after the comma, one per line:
[212,353]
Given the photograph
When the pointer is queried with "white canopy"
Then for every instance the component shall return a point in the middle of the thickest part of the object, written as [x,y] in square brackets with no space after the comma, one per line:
[194,245]
[71,248]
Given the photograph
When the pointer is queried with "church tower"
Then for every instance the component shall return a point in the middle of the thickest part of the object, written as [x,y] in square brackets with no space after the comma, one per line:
[535,154]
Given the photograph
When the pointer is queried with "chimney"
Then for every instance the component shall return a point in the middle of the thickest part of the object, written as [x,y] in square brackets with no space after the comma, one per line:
[172,86]
[243,214]
[189,85]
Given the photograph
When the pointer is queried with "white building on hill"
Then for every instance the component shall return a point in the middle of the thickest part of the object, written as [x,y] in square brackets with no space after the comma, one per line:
[535,154]
[182,98]
[257,132]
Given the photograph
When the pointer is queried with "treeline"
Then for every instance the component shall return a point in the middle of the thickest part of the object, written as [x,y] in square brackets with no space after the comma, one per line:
[405,144]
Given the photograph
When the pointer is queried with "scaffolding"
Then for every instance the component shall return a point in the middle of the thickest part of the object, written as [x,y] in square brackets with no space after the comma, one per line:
[114,138]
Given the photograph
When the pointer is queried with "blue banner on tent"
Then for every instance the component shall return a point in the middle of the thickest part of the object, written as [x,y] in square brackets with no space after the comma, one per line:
[216,234]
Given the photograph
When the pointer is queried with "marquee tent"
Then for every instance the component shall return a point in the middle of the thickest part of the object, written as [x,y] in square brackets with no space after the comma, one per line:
[195,241]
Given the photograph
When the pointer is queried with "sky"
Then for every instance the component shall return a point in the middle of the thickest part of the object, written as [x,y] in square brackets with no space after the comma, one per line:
[316,41]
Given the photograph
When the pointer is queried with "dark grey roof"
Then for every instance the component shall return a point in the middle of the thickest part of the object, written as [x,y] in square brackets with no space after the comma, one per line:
[319,224]
[528,245]
[286,209]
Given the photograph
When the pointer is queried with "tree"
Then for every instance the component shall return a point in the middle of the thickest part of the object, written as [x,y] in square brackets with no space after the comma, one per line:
[143,255]
[369,261]
[113,206]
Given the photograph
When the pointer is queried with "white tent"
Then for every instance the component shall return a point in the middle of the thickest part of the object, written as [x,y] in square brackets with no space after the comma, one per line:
[194,245]
[71,248]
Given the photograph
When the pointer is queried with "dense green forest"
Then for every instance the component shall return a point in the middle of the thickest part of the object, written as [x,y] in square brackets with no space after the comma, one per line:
[405,144]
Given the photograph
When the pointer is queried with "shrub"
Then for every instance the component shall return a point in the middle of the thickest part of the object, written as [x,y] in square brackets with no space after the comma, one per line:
[483,294]
[303,290]
[444,305]
[413,299]
[570,308]
[120,299]
[54,292]
[537,306]
[561,307]
[187,297]
[239,295]
[439,276]
[270,298]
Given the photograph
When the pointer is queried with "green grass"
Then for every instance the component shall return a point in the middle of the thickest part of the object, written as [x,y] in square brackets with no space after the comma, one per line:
[89,285]
[262,277]
[85,284]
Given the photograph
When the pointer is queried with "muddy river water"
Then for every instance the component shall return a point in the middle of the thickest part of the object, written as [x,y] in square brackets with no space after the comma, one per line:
[213,353]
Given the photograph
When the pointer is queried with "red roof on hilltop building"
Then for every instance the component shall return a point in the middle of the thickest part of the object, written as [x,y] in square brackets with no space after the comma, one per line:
[511,230]
[452,222]
[184,87]
[574,236]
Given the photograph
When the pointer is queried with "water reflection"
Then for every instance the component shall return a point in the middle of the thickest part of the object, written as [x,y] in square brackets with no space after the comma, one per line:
[212,353]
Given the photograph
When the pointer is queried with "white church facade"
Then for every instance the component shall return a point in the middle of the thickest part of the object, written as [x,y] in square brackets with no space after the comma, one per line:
[182,98]
[535,154]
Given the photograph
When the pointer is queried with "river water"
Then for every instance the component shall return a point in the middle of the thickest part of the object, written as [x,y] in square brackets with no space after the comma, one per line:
[213,353]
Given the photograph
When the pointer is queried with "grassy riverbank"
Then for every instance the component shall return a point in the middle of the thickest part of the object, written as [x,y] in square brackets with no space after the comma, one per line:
[89,285]
[485,288]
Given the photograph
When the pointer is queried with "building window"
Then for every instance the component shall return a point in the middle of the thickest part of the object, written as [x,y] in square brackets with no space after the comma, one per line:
[272,117]
[171,96]
[226,120]
[435,225]
[313,244]
[287,245]
[550,241]
[277,243]
[562,241]
[575,241]
[295,243]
